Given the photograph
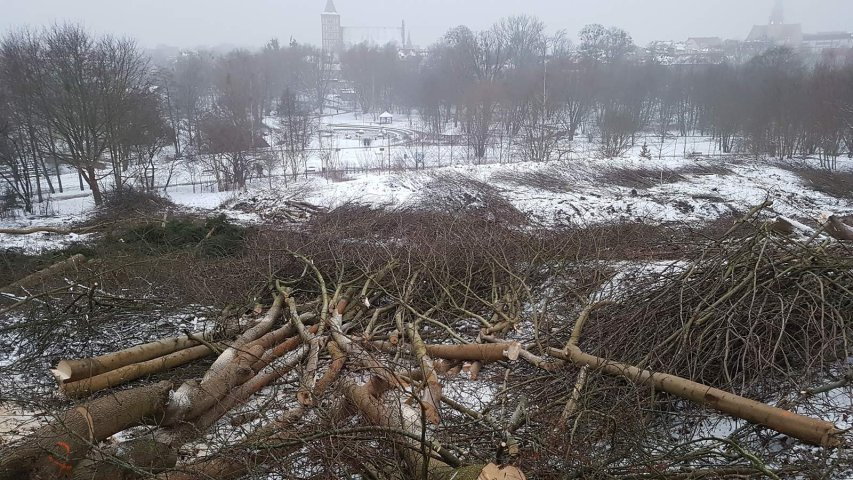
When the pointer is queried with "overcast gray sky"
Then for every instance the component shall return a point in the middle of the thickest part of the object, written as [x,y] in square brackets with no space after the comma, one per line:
[250,23]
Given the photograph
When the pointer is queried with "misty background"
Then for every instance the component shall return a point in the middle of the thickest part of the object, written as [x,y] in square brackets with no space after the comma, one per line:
[250,23]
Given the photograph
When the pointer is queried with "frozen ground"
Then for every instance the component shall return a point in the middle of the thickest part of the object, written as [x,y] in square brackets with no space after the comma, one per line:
[697,184]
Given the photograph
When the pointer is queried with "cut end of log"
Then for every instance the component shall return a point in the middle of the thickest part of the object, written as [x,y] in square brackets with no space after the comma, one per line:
[494,472]
[61,373]
[512,351]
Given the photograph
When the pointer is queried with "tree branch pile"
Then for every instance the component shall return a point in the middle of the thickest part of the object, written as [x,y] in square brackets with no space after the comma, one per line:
[460,347]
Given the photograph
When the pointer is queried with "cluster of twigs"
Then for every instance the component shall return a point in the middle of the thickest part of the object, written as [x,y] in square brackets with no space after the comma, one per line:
[453,345]
[752,306]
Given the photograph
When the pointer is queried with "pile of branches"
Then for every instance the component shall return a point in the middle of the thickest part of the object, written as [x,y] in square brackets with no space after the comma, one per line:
[751,305]
[411,345]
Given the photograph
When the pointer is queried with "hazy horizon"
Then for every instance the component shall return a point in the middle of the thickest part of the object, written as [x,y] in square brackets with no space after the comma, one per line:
[250,23]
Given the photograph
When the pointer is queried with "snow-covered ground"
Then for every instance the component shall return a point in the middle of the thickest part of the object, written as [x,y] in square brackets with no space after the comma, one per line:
[374,175]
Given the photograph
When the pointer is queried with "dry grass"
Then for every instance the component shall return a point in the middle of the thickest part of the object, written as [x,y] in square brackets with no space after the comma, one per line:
[551,179]
[457,193]
[644,177]
[839,184]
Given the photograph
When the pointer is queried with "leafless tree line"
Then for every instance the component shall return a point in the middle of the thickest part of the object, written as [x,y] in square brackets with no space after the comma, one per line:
[100,107]
[515,82]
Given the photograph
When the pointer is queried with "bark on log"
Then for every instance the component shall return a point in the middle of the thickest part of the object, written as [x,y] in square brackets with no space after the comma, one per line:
[192,399]
[119,376]
[338,361]
[129,459]
[187,431]
[380,414]
[55,449]
[809,430]
[36,278]
[71,370]
[430,396]
[838,229]
[231,368]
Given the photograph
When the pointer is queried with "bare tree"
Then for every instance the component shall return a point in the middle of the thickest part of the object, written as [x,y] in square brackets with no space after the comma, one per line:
[297,126]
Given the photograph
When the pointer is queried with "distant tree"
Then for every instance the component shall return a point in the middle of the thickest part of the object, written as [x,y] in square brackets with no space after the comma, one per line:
[604,45]
[297,126]
[84,89]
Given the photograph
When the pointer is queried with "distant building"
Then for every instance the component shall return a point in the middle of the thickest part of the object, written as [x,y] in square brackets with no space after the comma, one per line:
[336,37]
[818,42]
[386,118]
[777,32]
[331,23]
[704,44]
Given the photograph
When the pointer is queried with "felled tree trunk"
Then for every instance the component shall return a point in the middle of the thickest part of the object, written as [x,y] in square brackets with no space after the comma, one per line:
[431,395]
[230,369]
[130,458]
[71,370]
[87,386]
[54,450]
[838,229]
[187,431]
[396,419]
[42,275]
[809,430]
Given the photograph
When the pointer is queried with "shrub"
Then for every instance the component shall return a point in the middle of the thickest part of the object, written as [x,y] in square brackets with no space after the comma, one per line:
[216,237]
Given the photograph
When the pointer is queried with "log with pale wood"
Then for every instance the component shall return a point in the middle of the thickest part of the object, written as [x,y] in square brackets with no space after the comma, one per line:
[807,429]
[72,263]
[54,450]
[120,376]
[67,371]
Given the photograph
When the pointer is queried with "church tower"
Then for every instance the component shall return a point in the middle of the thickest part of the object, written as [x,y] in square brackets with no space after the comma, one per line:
[333,41]
[778,15]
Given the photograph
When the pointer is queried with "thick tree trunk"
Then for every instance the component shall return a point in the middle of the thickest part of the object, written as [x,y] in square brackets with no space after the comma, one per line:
[809,430]
[55,449]
[39,277]
[126,460]
[230,369]
[128,373]
[838,229]
[71,370]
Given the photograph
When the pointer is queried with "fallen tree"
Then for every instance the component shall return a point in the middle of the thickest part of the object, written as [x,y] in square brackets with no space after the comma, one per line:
[55,449]
[809,430]
[72,370]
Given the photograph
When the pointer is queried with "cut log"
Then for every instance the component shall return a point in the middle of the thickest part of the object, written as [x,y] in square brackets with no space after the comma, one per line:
[39,277]
[119,376]
[397,419]
[339,358]
[430,396]
[54,450]
[231,368]
[192,399]
[71,370]
[127,461]
[187,431]
[807,429]
[838,229]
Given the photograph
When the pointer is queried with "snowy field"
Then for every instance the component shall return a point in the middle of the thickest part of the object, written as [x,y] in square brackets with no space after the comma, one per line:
[684,181]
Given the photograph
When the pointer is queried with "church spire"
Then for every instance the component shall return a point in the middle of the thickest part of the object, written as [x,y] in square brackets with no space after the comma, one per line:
[778,15]
[330,7]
